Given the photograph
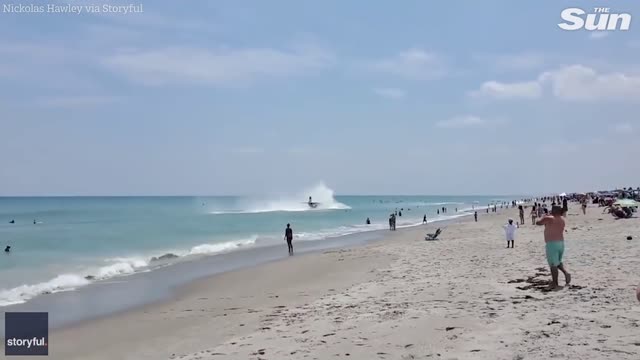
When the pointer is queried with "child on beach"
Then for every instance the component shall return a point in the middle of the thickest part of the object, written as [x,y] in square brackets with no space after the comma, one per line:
[510,232]
[554,244]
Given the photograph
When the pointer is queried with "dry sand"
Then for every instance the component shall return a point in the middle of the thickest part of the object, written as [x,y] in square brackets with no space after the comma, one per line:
[464,296]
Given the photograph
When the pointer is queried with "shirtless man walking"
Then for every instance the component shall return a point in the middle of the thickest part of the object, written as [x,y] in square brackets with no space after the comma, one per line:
[554,244]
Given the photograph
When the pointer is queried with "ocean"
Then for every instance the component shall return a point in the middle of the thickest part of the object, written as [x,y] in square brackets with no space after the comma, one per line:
[76,241]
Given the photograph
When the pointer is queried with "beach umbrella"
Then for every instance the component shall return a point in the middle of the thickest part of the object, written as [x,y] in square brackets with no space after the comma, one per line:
[563,194]
[626,202]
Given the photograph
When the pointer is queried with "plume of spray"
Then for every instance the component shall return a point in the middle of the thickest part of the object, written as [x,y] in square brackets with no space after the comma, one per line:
[293,201]
[298,201]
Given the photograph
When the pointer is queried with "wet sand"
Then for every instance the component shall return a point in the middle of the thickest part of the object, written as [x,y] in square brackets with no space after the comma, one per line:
[464,296]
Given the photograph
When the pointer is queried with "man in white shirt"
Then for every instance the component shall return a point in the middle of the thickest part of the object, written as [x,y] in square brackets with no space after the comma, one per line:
[510,232]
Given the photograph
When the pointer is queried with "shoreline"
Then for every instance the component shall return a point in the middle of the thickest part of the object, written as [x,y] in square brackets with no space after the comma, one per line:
[401,297]
[126,296]
[118,267]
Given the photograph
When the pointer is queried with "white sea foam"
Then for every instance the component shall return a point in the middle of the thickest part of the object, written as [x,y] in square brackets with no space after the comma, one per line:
[222,247]
[23,293]
[119,266]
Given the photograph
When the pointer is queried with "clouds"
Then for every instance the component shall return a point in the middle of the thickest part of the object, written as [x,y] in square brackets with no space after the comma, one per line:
[26,60]
[412,64]
[460,122]
[622,128]
[74,102]
[38,68]
[240,66]
[390,93]
[527,60]
[497,90]
[569,83]
[581,83]
[218,67]
[471,122]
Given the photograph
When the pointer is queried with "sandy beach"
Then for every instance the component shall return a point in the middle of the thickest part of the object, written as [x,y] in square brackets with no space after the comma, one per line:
[464,296]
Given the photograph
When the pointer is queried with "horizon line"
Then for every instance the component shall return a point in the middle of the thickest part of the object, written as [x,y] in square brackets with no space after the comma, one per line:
[243,195]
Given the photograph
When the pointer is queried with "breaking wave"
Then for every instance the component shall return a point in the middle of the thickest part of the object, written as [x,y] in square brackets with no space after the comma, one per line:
[115,267]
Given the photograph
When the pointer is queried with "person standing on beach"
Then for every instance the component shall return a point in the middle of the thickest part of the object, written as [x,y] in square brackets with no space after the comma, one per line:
[565,206]
[288,236]
[521,211]
[534,214]
[510,232]
[475,216]
[584,206]
[554,244]
[424,219]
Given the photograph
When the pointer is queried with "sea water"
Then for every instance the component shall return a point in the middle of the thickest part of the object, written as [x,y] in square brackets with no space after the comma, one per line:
[63,243]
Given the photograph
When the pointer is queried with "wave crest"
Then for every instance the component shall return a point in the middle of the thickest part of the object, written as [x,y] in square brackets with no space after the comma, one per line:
[20,294]
[120,266]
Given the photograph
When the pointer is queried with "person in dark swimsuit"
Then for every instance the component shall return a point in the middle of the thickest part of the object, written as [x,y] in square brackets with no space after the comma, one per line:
[288,236]
[7,249]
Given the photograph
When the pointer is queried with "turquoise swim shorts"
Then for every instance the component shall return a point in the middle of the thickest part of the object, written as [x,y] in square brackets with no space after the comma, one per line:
[554,250]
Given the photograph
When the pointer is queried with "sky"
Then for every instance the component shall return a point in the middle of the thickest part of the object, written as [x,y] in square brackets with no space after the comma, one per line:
[246,97]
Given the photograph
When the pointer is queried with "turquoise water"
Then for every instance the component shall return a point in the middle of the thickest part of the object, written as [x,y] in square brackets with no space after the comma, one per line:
[77,240]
